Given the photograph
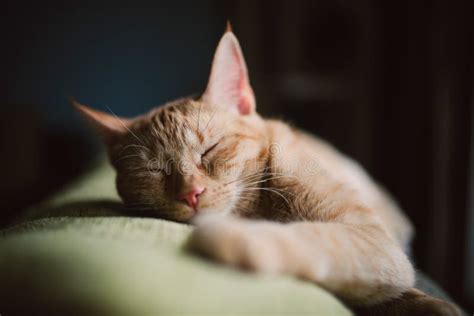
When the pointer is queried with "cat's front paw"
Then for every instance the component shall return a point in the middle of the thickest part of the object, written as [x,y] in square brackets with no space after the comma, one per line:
[244,244]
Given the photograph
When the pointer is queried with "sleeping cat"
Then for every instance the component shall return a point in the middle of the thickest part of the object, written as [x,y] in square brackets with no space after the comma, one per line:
[263,195]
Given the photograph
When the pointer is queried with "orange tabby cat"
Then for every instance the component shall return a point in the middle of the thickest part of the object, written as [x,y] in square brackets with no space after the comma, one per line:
[263,195]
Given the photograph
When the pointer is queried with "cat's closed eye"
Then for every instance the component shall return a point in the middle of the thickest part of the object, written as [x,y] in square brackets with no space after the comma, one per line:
[208,150]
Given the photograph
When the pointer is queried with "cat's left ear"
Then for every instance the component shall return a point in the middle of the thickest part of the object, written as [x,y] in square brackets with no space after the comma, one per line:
[229,84]
[109,126]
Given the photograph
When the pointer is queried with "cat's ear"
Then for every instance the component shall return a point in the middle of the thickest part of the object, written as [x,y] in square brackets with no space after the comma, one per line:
[109,126]
[228,82]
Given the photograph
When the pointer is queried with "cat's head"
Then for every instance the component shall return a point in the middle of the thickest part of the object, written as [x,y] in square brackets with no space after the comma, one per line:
[191,156]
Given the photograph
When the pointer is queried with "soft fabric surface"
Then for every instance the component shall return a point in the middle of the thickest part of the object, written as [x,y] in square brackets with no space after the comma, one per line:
[78,253]
[97,261]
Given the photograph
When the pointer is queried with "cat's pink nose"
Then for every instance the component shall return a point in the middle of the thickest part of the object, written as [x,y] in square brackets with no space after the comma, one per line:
[192,197]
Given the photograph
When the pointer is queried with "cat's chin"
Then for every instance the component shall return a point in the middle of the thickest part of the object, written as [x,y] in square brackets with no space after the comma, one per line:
[191,219]
[189,215]
[182,214]
[180,219]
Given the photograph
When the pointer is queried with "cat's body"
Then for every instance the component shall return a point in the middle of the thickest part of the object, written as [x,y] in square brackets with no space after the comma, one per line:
[340,177]
[263,195]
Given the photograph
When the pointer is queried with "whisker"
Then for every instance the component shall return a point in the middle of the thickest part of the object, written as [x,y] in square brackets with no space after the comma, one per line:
[239,198]
[199,117]
[133,145]
[210,119]
[127,156]
[223,195]
[255,174]
[124,125]
[266,180]
[271,190]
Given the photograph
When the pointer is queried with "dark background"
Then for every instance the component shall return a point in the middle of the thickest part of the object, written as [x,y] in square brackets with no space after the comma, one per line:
[389,83]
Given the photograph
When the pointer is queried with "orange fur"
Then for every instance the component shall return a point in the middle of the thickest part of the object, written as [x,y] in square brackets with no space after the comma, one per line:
[276,199]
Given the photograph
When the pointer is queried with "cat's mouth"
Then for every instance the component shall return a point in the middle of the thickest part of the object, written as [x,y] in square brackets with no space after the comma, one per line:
[187,213]
[178,211]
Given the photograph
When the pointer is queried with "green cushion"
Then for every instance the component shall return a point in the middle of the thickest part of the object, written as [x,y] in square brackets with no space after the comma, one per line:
[95,261]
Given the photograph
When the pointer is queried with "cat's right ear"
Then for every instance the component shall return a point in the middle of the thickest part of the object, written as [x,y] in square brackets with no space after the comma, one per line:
[229,83]
[109,126]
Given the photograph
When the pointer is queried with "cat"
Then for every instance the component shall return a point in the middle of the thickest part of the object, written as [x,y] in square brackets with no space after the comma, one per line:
[264,196]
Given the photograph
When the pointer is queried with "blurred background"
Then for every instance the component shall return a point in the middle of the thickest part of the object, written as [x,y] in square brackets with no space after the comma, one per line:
[389,83]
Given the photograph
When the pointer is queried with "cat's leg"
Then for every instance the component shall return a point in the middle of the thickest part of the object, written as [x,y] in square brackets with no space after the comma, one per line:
[358,263]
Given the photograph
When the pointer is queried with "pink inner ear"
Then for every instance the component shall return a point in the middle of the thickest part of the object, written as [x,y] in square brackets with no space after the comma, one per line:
[246,104]
[245,92]
[228,83]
